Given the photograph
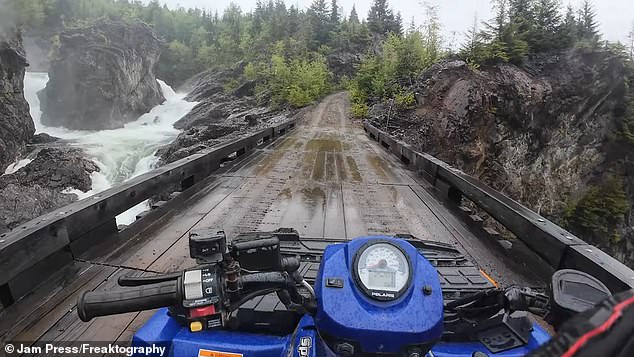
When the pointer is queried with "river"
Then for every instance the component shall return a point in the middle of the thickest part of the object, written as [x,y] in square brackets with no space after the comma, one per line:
[120,153]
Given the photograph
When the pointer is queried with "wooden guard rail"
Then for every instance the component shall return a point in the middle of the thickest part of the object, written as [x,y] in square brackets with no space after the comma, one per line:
[558,247]
[38,248]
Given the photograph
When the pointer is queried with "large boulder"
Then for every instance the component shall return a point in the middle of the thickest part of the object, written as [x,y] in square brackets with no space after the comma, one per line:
[344,64]
[16,125]
[102,76]
[40,186]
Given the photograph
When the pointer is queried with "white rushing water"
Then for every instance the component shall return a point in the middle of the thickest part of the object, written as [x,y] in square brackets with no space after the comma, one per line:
[120,153]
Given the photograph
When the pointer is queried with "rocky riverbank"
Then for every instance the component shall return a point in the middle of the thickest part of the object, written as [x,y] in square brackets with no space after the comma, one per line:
[40,186]
[228,109]
[546,133]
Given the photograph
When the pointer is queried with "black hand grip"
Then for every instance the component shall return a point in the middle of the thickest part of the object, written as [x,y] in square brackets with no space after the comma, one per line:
[146,280]
[267,280]
[147,297]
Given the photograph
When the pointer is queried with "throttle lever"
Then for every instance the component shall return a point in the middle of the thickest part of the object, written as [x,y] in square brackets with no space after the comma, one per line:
[146,280]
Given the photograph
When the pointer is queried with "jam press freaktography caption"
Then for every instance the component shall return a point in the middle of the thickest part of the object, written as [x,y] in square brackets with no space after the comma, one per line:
[84,349]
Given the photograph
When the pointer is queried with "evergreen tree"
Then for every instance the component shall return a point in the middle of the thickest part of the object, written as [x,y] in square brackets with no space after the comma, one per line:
[504,41]
[630,39]
[546,30]
[396,25]
[294,21]
[588,32]
[568,32]
[319,20]
[354,17]
[412,26]
[335,17]
[521,13]
[431,31]
[473,48]
[500,21]
[380,18]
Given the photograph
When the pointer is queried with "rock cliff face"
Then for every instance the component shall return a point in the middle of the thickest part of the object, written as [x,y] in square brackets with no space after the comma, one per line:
[223,113]
[16,126]
[102,76]
[543,134]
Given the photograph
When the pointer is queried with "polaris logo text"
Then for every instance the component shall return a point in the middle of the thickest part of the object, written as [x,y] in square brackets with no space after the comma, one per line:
[383,295]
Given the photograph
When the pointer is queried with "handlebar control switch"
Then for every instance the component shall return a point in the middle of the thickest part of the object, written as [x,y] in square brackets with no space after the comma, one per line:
[203,298]
[193,283]
[207,246]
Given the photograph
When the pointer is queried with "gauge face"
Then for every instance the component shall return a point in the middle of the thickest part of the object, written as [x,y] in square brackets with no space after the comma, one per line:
[382,270]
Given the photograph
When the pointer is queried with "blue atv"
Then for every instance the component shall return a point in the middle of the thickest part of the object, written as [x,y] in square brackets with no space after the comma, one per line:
[276,294]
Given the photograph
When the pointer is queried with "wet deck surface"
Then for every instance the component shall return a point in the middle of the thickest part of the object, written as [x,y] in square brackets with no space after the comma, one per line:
[325,179]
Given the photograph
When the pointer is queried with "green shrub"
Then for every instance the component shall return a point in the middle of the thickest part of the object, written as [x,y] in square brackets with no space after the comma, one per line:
[405,100]
[298,97]
[599,212]
[231,85]
[473,64]
[360,110]
[298,83]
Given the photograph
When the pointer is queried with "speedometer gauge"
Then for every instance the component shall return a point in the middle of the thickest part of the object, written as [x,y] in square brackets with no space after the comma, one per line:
[382,270]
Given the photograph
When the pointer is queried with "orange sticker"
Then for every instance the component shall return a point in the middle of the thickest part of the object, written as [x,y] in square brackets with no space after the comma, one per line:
[208,353]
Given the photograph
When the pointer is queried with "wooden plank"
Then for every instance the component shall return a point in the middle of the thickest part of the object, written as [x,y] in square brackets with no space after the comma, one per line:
[352,210]
[334,222]
[139,320]
[35,325]
[482,252]
[177,227]
[224,214]
[103,329]
[420,220]
[27,307]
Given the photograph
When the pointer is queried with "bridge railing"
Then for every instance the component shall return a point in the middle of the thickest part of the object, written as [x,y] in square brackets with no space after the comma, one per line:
[558,247]
[40,247]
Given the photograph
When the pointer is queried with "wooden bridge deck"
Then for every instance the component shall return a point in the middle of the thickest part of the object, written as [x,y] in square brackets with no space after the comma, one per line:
[325,179]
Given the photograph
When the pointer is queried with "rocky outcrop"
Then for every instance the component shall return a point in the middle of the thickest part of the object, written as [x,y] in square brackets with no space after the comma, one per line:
[38,187]
[542,134]
[16,126]
[344,64]
[224,112]
[102,76]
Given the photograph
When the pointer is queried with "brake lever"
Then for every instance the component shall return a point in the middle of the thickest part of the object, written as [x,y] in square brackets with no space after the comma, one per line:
[525,299]
[146,280]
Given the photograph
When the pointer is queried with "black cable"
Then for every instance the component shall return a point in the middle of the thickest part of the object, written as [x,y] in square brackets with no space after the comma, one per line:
[234,306]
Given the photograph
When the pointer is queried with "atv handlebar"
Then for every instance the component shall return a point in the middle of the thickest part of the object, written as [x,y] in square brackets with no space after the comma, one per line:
[146,297]
[147,293]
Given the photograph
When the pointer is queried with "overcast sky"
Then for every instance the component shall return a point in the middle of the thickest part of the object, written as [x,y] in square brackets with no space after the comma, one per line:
[615,16]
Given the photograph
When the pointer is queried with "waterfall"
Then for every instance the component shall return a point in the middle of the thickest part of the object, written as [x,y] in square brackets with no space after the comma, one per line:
[120,153]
